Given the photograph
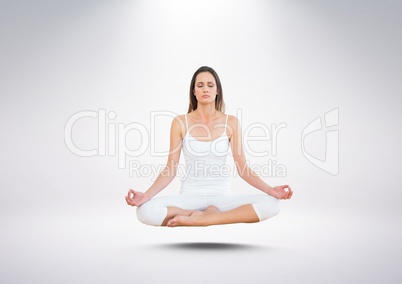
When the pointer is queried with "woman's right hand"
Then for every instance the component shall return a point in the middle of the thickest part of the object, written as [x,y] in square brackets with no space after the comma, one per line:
[136,198]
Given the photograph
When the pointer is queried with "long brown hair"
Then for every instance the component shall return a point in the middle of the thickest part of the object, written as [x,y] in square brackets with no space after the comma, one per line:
[219,103]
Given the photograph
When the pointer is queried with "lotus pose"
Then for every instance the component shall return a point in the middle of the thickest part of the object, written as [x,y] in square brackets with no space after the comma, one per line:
[206,135]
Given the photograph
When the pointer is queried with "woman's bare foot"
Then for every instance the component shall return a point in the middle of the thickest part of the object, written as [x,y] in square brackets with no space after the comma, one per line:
[212,216]
[195,219]
[211,209]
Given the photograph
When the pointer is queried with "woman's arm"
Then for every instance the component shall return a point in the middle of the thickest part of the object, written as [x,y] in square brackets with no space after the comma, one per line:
[244,171]
[136,198]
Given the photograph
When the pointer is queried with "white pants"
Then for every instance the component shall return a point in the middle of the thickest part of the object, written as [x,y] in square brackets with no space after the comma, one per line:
[155,210]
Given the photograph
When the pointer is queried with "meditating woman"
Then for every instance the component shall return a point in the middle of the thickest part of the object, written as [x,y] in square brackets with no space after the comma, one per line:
[206,135]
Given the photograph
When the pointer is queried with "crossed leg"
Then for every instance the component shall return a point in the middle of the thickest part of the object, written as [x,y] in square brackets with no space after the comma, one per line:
[212,216]
[186,210]
[176,211]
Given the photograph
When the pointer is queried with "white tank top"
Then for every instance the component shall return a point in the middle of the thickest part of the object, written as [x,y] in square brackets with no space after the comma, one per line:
[206,170]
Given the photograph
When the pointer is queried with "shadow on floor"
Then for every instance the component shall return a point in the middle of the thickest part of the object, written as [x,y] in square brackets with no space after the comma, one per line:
[209,246]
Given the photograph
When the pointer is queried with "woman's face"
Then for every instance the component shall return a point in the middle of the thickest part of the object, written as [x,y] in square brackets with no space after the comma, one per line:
[205,88]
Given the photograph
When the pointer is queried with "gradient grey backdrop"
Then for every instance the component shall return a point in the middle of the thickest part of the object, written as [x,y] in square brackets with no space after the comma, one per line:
[63,217]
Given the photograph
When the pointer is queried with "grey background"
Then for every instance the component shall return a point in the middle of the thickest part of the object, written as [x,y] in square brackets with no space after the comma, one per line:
[63,217]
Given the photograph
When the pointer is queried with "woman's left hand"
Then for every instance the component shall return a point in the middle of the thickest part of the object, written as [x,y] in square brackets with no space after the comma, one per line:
[136,198]
[281,192]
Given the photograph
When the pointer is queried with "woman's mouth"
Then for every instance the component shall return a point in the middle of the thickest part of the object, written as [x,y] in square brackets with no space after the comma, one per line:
[205,96]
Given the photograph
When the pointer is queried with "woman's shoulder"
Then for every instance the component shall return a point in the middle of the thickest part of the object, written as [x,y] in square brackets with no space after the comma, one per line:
[180,116]
[232,120]
[179,125]
[179,119]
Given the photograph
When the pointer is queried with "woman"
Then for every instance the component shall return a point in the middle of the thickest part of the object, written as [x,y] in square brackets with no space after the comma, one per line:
[204,135]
